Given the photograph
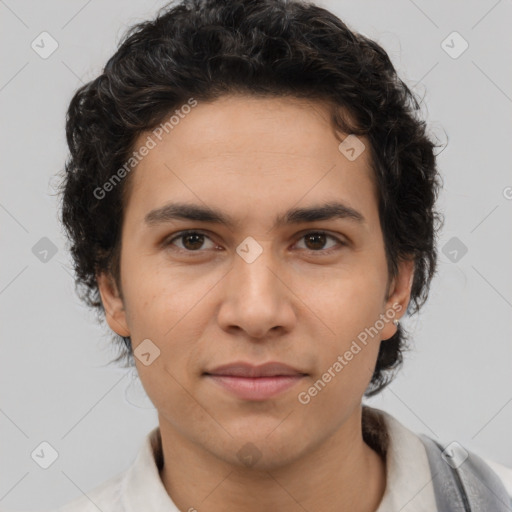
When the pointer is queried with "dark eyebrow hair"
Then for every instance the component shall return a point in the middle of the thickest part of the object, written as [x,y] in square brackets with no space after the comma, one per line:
[187,211]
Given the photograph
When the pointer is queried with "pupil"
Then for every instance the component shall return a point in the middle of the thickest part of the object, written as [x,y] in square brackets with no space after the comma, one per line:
[316,236]
[196,236]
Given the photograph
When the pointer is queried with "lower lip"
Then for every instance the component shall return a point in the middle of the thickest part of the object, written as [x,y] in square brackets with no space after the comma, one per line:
[260,388]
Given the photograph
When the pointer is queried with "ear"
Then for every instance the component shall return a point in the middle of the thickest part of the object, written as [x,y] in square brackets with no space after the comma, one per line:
[113,303]
[398,296]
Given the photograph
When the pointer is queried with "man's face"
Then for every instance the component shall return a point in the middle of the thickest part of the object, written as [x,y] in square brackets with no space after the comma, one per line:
[254,292]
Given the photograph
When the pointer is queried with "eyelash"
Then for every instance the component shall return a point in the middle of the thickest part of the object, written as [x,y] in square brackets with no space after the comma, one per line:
[183,234]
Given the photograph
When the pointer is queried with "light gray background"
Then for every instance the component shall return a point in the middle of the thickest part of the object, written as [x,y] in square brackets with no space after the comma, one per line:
[456,383]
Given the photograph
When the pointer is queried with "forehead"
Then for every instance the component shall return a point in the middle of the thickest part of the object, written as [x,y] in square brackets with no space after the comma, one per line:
[262,152]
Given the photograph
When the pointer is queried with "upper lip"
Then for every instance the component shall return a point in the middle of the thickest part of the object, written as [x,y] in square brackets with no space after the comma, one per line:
[241,369]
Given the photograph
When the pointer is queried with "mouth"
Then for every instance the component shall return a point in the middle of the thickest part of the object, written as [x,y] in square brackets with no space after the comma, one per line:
[257,383]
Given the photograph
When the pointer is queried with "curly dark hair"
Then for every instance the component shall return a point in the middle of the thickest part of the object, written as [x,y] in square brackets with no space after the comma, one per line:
[209,48]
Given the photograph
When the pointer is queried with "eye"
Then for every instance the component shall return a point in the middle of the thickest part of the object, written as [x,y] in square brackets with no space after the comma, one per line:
[193,241]
[317,239]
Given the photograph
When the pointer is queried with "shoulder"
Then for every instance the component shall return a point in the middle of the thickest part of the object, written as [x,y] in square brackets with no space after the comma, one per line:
[123,490]
[411,452]
[104,497]
[504,474]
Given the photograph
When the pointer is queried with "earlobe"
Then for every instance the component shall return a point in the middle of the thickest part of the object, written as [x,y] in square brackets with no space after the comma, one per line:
[113,304]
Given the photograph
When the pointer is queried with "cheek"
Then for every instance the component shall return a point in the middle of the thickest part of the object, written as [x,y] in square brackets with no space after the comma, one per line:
[169,307]
[348,306]
[346,362]
[348,298]
[157,295]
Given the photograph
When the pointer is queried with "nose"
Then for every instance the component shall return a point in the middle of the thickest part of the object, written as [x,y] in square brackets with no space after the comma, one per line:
[257,296]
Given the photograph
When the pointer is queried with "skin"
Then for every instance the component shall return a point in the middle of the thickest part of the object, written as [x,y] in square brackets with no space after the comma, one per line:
[254,158]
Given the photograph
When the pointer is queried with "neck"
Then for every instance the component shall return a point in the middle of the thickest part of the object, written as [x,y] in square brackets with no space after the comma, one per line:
[341,474]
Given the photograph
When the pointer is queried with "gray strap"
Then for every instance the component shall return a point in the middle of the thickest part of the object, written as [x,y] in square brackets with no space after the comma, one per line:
[471,486]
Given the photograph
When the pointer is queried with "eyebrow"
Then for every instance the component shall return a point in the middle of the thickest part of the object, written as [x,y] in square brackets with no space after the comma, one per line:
[188,211]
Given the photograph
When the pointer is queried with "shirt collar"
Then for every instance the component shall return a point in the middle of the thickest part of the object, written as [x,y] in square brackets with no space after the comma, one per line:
[142,487]
[408,479]
[409,485]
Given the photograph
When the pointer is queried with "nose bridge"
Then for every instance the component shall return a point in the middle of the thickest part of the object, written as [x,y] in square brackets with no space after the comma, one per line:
[253,273]
[254,298]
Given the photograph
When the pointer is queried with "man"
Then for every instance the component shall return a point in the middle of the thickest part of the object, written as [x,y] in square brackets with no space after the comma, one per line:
[250,200]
